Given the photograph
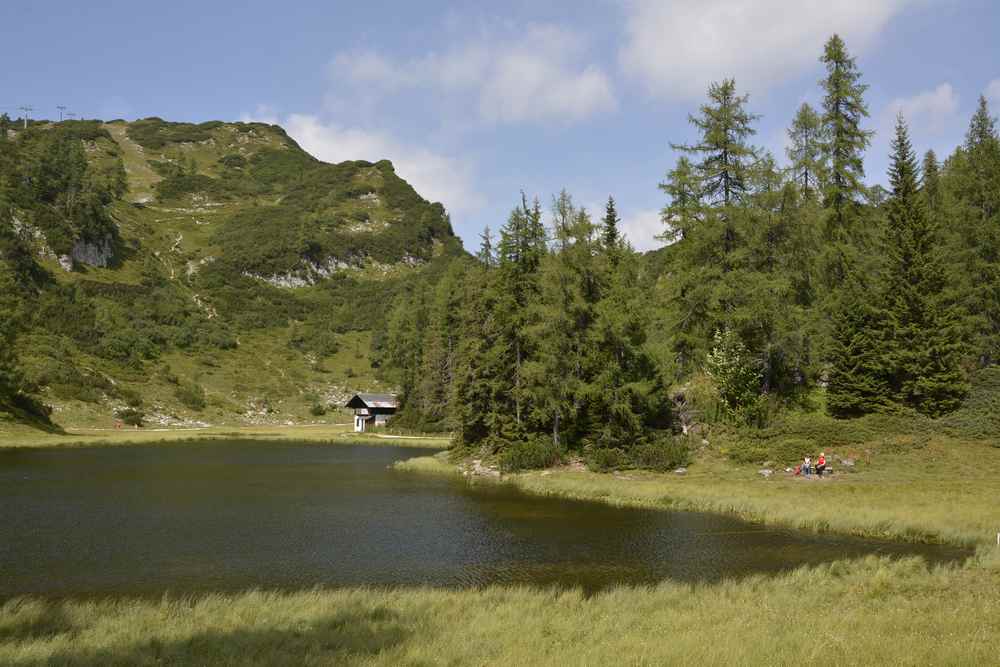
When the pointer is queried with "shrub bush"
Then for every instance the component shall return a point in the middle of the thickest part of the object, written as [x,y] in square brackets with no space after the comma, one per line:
[190,395]
[662,453]
[317,410]
[130,416]
[537,452]
[606,459]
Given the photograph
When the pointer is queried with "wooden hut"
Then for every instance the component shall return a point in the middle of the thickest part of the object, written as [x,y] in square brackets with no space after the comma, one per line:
[372,410]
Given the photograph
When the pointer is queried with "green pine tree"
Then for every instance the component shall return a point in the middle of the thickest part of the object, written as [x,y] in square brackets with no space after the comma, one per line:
[925,346]
[932,185]
[610,234]
[857,381]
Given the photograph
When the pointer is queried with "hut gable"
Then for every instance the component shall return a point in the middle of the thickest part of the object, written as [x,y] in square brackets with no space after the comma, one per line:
[385,401]
[372,410]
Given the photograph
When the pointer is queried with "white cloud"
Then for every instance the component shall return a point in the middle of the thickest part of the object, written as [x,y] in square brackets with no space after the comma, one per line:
[534,76]
[929,112]
[993,91]
[434,176]
[641,229]
[678,47]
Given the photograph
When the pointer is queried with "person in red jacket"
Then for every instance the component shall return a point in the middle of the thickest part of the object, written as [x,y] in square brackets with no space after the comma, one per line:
[821,464]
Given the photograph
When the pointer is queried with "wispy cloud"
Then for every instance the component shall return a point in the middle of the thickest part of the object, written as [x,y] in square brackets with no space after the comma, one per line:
[675,48]
[642,227]
[992,91]
[535,74]
[929,112]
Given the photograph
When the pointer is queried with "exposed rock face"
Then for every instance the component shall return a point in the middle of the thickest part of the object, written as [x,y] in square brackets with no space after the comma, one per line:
[310,274]
[100,253]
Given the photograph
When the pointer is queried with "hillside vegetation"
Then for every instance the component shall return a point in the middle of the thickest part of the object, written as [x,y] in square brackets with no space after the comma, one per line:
[170,273]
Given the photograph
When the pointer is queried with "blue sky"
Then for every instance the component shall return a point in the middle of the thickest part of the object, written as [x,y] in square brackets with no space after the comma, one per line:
[475,103]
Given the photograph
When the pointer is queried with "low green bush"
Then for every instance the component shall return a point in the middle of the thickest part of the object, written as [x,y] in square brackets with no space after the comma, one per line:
[606,459]
[662,453]
[190,395]
[529,454]
[317,410]
[130,416]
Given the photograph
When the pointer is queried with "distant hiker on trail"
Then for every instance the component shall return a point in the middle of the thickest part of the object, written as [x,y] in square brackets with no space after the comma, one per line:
[807,466]
[820,464]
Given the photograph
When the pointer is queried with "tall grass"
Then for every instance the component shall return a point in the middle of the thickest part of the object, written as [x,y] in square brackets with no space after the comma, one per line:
[873,611]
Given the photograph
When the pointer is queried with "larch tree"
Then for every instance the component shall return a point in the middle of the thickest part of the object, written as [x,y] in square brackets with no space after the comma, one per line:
[844,109]
[805,150]
[724,126]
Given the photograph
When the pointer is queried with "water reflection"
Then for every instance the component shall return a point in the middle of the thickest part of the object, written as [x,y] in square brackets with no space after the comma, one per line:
[233,515]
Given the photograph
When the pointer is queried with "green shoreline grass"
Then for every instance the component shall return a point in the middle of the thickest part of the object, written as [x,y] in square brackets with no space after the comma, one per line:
[945,493]
[317,433]
[870,611]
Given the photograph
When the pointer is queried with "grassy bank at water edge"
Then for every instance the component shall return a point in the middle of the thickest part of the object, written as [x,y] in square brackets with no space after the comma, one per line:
[16,436]
[847,613]
[944,492]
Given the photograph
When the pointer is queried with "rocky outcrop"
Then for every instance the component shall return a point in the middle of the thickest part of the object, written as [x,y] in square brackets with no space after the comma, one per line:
[310,274]
[99,253]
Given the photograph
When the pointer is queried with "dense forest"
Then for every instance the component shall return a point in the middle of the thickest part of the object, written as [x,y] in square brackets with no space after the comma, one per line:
[782,287]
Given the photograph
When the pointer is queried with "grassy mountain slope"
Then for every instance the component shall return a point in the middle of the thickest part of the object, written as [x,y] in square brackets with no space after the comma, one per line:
[226,276]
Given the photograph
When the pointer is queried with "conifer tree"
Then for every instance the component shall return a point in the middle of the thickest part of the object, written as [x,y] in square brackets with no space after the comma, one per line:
[684,192]
[857,382]
[806,150]
[925,346]
[712,226]
[486,254]
[610,235]
[562,318]
[725,156]
[844,108]
[932,185]
[972,181]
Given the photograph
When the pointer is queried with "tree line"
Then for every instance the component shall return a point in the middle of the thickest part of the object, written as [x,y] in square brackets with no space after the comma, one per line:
[780,285]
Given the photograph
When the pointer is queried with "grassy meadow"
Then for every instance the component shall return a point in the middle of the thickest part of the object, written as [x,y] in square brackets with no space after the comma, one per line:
[872,611]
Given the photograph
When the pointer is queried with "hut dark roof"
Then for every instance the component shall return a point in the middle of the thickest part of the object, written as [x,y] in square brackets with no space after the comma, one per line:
[373,401]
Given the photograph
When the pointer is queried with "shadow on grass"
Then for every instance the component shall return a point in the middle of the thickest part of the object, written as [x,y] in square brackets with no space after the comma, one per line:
[348,635]
[32,621]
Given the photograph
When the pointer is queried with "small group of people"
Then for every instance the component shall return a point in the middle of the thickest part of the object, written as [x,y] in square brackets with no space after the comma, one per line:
[807,467]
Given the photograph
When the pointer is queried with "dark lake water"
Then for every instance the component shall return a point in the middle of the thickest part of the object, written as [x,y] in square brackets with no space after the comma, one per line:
[234,515]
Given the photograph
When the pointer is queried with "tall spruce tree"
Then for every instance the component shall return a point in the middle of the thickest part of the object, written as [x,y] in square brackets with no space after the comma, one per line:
[974,185]
[844,108]
[610,235]
[925,345]
[857,381]
[805,151]
[932,185]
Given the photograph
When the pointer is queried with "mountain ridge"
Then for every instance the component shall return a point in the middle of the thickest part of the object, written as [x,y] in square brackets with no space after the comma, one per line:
[198,252]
